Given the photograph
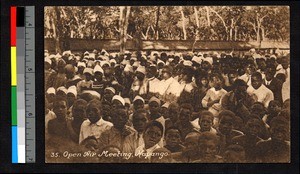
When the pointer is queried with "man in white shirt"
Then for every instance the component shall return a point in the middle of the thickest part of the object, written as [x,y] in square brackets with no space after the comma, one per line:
[263,94]
[94,125]
[169,88]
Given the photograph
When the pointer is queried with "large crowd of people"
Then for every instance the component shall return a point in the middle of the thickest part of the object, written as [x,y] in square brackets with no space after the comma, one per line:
[174,107]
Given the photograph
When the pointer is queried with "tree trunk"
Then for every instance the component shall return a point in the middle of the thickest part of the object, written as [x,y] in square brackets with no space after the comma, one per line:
[183,23]
[57,30]
[156,23]
[197,24]
[207,16]
[124,15]
[263,34]
[235,33]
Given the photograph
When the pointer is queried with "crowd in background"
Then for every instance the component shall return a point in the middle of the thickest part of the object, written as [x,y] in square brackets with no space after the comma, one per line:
[185,107]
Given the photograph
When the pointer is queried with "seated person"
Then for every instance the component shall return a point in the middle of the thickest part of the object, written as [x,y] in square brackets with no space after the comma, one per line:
[173,140]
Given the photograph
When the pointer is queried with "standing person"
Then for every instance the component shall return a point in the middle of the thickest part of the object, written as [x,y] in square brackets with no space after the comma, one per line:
[274,84]
[257,88]
[183,123]
[150,87]
[76,118]
[173,140]
[232,76]
[173,114]
[139,121]
[119,134]
[86,84]
[200,92]
[58,78]
[48,71]
[154,108]
[211,101]
[152,135]
[72,78]
[169,88]
[238,100]
[94,125]
[138,85]
[98,84]
[58,125]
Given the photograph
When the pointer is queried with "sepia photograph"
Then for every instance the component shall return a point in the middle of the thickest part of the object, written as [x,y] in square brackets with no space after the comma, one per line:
[167,84]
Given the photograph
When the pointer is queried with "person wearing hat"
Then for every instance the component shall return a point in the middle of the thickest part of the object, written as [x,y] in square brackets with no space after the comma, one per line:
[119,134]
[108,76]
[118,102]
[86,84]
[155,115]
[81,66]
[137,87]
[71,96]
[48,71]
[109,92]
[169,88]
[98,83]
[50,97]
[72,78]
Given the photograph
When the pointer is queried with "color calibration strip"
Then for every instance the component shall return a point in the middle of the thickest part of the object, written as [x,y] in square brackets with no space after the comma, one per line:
[23,117]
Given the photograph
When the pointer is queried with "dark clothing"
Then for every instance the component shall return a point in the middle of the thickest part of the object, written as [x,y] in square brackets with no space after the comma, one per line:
[178,148]
[240,108]
[269,152]
[58,127]
[276,87]
[248,143]
[184,129]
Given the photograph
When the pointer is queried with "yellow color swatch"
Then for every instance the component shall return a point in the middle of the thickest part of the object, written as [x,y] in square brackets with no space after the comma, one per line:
[13,54]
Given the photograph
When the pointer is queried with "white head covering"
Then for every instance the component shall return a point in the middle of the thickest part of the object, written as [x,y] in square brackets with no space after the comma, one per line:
[102,63]
[63,89]
[51,90]
[138,98]
[187,63]
[110,89]
[92,55]
[209,60]
[93,93]
[73,90]
[197,59]
[67,53]
[81,64]
[128,68]
[88,70]
[86,53]
[48,60]
[98,68]
[113,61]
[119,98]
[141,69]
